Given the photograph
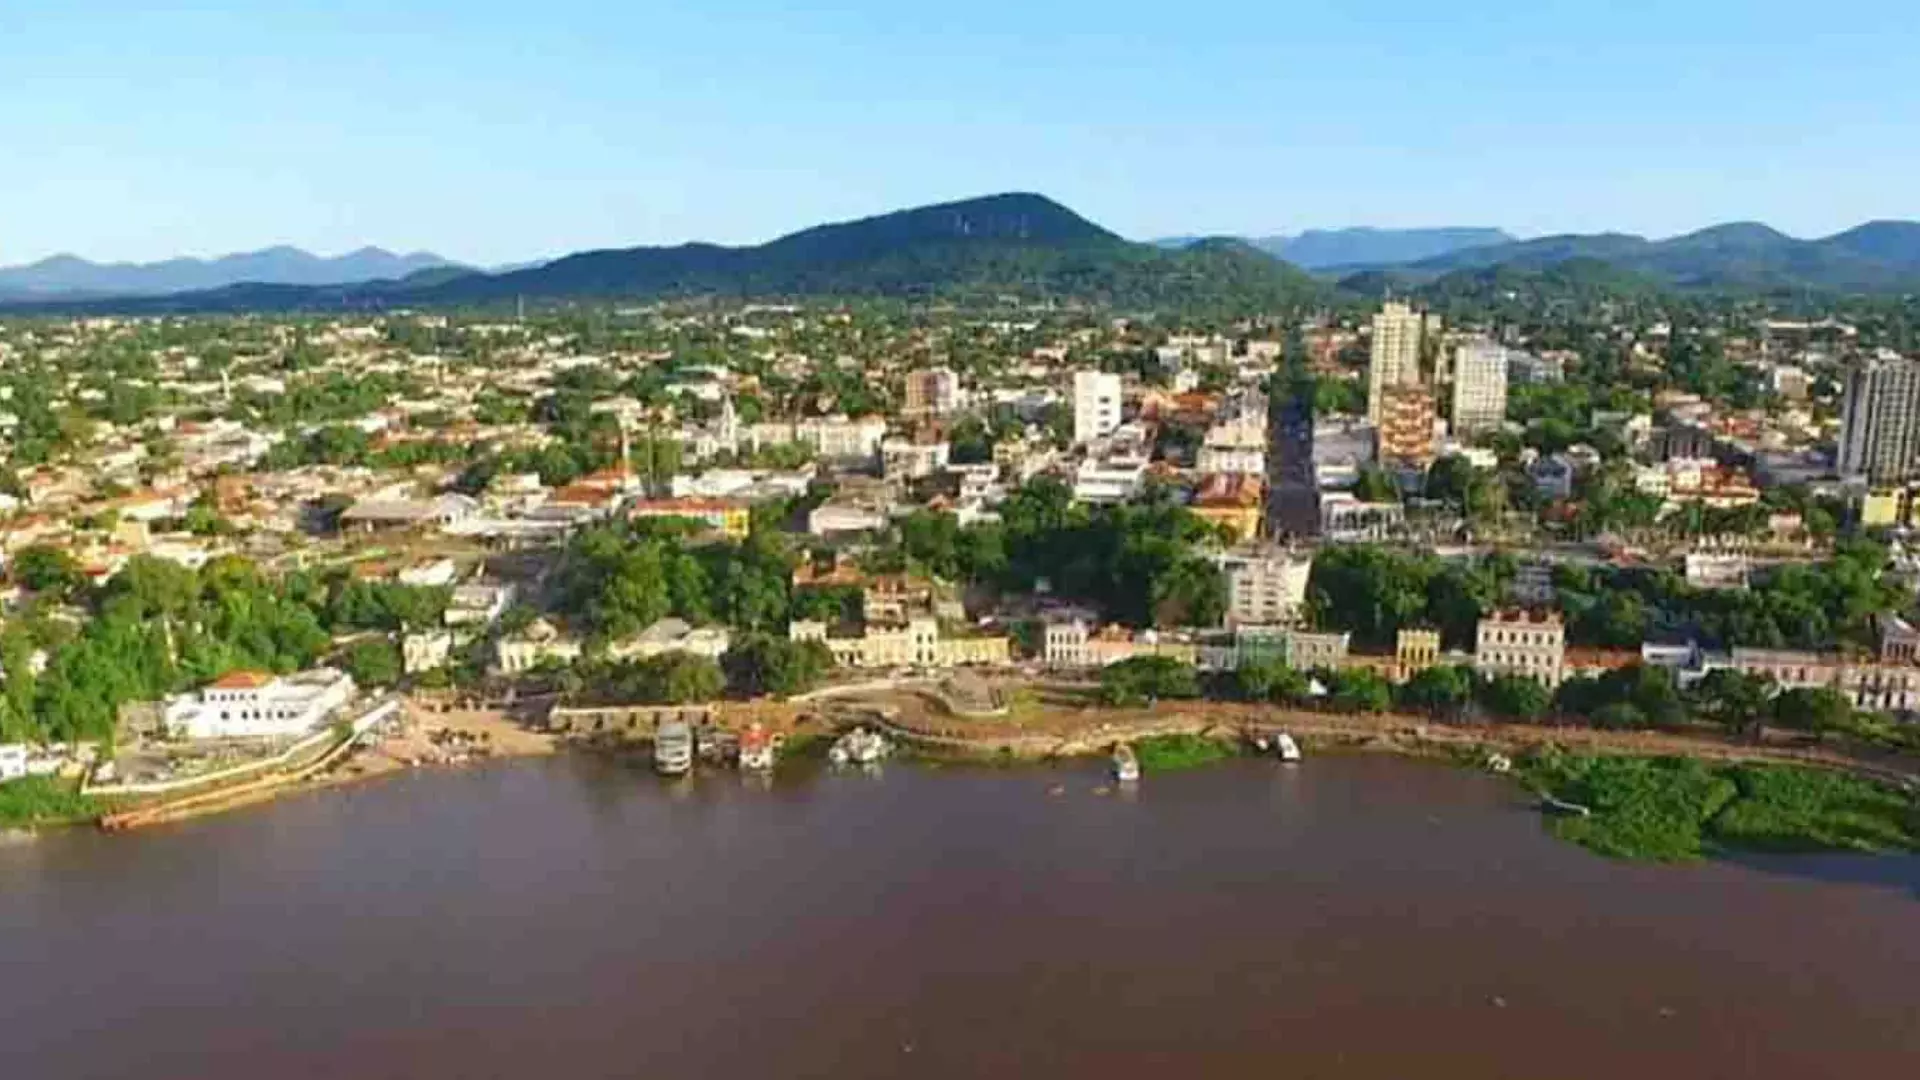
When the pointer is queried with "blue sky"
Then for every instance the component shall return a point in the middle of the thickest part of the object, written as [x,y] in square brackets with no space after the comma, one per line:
[491,131]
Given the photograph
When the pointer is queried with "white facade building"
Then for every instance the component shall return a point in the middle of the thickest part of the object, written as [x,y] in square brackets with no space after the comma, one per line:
[1528,644]
[1096,405]
[1265,587]
[256,705]
[1479,386]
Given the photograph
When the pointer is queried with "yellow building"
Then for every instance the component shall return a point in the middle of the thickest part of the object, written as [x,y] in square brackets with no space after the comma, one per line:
[1880,507]
[1415,651]
[1233,501]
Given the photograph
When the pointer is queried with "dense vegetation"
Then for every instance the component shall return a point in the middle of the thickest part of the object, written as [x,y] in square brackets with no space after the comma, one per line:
[1672,809]
[157,628]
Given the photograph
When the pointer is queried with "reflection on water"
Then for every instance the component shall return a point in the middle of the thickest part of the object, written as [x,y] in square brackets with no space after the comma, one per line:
[1355,917]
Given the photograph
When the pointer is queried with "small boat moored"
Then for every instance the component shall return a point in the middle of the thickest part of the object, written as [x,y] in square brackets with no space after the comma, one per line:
[673,748]
[859,747]
[756,750]
[1287,748]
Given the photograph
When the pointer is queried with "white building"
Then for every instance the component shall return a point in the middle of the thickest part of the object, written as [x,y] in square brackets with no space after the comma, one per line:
[1112,481]
[905,459]
[1479,386]
[425,650]
[13,761]
[1265,587]
[1096,405]
[1529,644]
[256,705]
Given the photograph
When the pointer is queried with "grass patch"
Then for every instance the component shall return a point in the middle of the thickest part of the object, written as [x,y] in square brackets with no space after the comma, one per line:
[1675,809]
[44,800]
[1163,753]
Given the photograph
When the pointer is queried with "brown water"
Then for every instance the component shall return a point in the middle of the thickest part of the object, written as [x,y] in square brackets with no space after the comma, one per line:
[1371,918]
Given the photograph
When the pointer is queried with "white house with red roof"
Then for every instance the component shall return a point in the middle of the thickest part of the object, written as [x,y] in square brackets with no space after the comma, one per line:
[257,705]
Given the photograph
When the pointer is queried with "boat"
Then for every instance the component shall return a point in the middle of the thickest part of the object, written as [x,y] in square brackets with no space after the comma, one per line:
[756,750]
[859,747]
[1288,750]
[673,748]
[1499,764]
[1126,766]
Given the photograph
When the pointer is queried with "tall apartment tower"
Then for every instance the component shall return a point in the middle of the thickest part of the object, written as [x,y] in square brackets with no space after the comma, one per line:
[1880,432]
[1096,405]
[1479,386]
[1395,359]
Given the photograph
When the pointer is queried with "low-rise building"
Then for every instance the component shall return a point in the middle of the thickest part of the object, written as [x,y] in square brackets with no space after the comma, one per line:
[1414,650]
[917,643]
[255,704]
[734,519]
[1527,643]
[1232,501]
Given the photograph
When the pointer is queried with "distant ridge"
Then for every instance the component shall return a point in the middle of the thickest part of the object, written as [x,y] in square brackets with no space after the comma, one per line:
[1878,256]
[1326,249]
[71,275]
[1018,244]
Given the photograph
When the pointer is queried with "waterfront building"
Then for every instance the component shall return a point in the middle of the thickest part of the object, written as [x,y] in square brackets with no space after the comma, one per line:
[1414,651]
[916,643]
[1527,643]
[1880,420]
[1096,405]
[257,705]
[1308,650]
[1479,386]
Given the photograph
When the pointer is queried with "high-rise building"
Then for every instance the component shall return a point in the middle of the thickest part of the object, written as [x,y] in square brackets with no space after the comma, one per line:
[1479,386]
[1096,405]
[1880,421]
[1395,356]
[1265,586]
[932,391]
[1406,426]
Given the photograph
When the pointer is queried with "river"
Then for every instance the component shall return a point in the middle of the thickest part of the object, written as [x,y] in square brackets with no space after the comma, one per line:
[1364,917]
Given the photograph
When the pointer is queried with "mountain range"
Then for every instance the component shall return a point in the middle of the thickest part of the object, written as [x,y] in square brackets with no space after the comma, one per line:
[1330,249]
[70,275]
[1029,247]
[1878,256]
[1017,244]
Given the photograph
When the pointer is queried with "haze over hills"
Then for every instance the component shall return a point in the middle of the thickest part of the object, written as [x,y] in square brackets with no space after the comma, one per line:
[1325,249]
[1015,244]
[69,274]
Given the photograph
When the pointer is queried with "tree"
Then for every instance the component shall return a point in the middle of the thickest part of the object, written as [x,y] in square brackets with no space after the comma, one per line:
[1817,710]
[1374,485]
[44,568]
[1442,690]
[1139,680]
[1734,700]
[1515,697]
[764,664]
[373,662]
[1358,690]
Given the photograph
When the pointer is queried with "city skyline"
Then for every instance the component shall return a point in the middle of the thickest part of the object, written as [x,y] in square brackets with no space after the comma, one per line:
[487,135]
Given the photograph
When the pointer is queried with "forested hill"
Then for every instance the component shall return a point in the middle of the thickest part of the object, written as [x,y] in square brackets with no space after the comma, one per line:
[1020,245]
[1879,256]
